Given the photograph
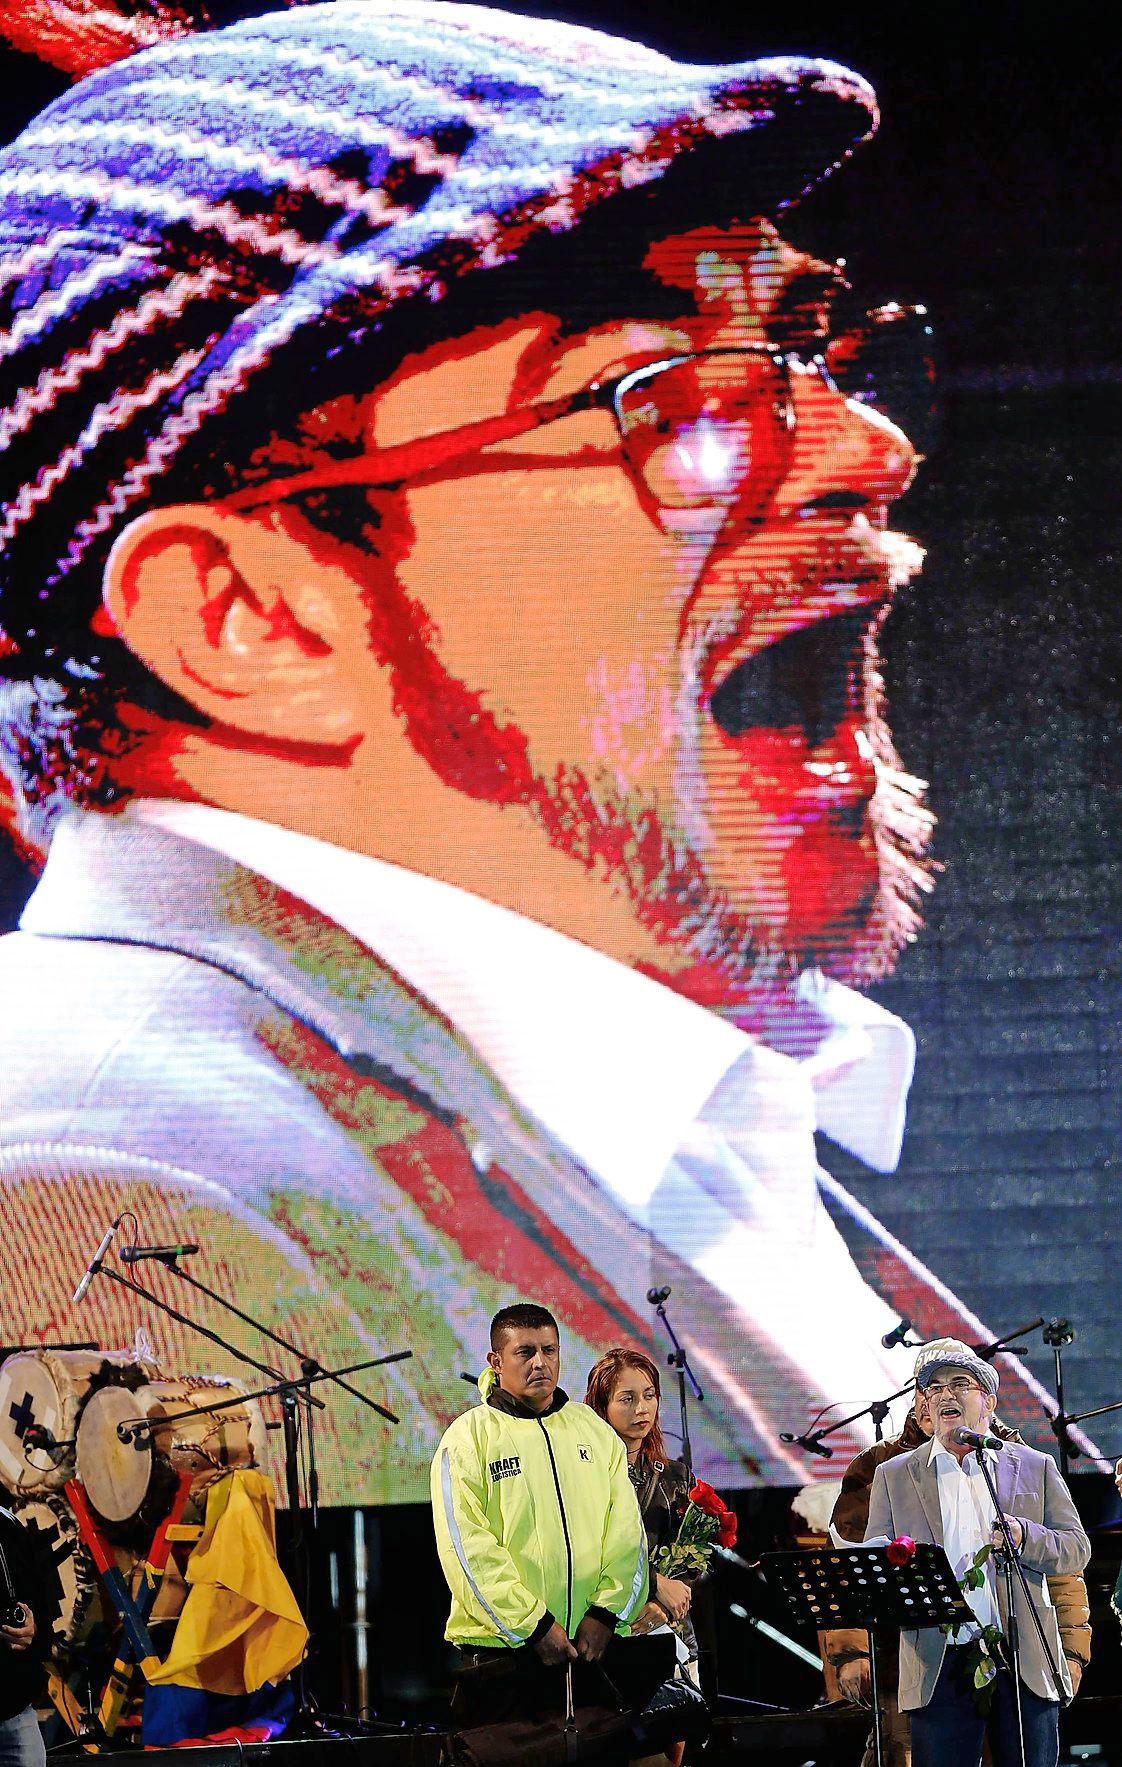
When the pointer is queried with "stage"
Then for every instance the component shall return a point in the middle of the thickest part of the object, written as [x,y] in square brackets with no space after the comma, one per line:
[830,1737]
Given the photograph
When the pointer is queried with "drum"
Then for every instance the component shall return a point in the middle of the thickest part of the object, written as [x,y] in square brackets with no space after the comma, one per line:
[131,1476]
[85,1629]
[73,1577]
[47,1388]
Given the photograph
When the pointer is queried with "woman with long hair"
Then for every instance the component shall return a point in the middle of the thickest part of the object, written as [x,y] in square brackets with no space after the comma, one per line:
[624,1389]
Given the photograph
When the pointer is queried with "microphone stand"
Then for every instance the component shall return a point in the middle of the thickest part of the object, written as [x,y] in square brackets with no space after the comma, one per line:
[988,1351]
[292,1393]
[1010,1562]
[299,1565]
[193,1325]
[1057,1333]
[677,1359]
[1099,1411]
[309,1367]
[135,1426]
[1062,1418]
[878,1409]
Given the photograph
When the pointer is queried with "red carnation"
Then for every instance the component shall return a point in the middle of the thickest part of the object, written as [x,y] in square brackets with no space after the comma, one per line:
[703,1497]
[707,1521]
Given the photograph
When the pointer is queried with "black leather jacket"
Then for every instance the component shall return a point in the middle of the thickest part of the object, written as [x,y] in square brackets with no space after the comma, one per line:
[662,1489]
[21,1671]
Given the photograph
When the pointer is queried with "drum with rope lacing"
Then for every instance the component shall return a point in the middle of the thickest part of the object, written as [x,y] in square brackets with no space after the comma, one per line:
[130,1458]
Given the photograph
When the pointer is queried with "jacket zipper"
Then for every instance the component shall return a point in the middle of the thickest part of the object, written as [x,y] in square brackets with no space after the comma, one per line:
[564,1527]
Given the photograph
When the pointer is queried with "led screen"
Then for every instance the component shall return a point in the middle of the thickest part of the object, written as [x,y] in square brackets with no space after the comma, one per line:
[450,538]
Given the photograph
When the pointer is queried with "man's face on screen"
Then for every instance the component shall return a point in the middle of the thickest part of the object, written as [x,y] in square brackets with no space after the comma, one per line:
[681,699]
[617,673]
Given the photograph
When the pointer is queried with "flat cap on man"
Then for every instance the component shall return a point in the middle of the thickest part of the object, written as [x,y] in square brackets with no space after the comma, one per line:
[177,222]
[953,1353]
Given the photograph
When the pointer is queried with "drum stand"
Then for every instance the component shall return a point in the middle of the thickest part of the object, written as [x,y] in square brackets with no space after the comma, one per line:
[308,1718]
[135,1648]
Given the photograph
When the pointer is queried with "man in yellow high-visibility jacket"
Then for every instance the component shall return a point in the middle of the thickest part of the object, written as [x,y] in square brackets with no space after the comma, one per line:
[537,1525]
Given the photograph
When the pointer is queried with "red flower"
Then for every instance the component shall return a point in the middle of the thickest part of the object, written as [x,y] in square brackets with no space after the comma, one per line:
[703,1497]
[900,1551]
[726,1533]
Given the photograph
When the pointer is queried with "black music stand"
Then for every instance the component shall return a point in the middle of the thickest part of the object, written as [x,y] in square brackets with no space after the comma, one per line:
[857,1586]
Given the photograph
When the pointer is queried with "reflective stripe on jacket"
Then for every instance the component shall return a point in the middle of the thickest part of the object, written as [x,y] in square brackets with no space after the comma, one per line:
[536,1521]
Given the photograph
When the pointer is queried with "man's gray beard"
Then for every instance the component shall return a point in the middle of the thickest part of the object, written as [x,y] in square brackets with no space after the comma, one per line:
[645,854]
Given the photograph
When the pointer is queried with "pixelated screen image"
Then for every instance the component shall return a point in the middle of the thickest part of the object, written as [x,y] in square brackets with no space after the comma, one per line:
[532,678]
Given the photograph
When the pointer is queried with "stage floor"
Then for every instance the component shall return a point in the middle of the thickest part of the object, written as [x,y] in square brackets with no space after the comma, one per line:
[826,1737]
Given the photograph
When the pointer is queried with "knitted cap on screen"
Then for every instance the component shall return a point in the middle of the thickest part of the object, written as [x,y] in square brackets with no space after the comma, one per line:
[953,1353]
[181,220]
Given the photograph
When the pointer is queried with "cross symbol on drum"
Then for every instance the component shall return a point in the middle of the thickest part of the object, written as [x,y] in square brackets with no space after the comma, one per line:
[29,1395]
[22,1415]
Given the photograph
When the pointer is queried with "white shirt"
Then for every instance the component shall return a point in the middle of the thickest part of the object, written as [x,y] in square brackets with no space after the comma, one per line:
[619,1082]
[701,1134]
[968,1516]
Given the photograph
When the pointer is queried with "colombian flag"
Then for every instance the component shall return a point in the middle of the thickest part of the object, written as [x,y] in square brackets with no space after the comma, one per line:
[240,1633]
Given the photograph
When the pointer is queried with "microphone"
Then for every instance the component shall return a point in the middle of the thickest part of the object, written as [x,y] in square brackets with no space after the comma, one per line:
[37,1436]
[132,1254]
[897,1334]
[975,1438]
[656,1296]
[94,1266]
[811,1444]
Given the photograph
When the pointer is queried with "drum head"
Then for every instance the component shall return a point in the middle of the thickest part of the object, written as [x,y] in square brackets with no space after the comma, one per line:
[116,1474]
[29,1395]
[48,1388]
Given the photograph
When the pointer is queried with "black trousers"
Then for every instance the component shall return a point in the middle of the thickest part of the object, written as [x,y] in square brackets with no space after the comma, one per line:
[496,1685]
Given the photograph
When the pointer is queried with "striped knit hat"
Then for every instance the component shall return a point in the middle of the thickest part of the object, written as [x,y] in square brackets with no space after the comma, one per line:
[183,221]
[953,1353]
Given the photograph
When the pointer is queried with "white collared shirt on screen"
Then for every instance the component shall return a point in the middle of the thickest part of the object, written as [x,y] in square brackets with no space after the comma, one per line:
[703,1135]
[967,1513]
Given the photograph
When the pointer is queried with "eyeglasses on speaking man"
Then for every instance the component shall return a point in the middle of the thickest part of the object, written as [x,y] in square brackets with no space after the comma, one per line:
[706,435]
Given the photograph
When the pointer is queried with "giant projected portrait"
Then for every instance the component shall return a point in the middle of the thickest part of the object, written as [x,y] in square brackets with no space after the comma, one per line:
[446,529]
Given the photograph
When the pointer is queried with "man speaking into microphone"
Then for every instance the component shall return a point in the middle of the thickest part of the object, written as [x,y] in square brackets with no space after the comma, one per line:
[938,1494]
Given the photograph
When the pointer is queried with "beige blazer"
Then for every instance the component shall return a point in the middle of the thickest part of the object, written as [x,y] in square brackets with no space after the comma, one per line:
[905,1500]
